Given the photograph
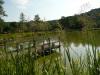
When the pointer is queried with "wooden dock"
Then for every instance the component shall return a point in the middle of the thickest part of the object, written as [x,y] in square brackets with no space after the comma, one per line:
[47,49]
[43,49]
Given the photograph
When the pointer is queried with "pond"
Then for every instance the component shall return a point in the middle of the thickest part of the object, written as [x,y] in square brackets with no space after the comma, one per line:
[78,42]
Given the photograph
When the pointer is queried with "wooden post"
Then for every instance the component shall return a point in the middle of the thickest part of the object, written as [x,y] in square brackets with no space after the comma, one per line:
[17,48]
[49,43]
[34,53]
[5,48]
[5,44]
[43,46]
[21,47]
[34,45]
[29,51]
[43,49]
[59,45]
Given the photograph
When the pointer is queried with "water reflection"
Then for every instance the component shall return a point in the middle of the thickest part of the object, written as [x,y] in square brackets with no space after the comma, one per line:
[77,41]
[80,42]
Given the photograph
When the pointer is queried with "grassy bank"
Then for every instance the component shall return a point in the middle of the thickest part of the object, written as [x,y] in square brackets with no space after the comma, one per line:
[15,35]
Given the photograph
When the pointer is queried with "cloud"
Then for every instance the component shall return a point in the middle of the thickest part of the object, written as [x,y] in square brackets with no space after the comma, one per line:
[21,3]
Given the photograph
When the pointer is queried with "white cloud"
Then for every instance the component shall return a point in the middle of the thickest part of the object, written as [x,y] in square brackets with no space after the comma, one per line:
[21,3]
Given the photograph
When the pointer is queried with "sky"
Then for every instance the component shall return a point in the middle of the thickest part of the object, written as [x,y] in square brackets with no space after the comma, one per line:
[47,9]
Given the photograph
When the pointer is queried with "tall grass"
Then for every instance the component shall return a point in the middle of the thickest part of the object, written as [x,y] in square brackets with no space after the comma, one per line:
[27,63]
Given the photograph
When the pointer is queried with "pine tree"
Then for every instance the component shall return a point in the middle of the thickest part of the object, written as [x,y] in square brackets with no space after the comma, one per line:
[22,22]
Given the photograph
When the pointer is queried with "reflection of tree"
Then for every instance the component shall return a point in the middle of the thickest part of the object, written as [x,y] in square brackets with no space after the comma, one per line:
[78,38]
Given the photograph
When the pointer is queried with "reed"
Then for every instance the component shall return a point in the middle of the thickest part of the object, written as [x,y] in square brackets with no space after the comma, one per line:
[27,63]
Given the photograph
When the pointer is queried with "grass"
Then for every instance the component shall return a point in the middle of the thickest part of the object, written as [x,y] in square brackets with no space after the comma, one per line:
[27,63]
[26,34]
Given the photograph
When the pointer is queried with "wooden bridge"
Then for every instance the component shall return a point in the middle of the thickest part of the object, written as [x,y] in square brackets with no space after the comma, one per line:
[43,49]
[48,48]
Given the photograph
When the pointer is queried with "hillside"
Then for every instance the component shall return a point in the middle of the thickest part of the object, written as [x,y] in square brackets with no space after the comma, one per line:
[89,19]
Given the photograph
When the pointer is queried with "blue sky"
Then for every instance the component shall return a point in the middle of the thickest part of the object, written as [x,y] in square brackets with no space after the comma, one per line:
[47,9]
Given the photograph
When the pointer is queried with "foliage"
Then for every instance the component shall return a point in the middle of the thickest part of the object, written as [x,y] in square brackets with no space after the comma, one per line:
[77,22]
[2,12]
[40,26]
[1,25]
[87,22]
[37,18]
[22,17]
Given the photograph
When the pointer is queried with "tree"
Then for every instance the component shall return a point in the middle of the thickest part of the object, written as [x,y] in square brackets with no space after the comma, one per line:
[37,18]
[1,25]
[77,22]
[22,22]
[87,22]
[13,27]
[22,17]
[63,17]
[74,23]
[39,25]
[57,26]
[64,21]
[2,13]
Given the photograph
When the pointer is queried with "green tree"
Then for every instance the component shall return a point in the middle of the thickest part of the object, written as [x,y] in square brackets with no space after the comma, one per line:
[1,25]
[74,22]
[13,27]
[79,22]
[57,26]
[2,14]
[22,22]
[36,18]
[40,26]
[65,22]
[22,17]
[87,22]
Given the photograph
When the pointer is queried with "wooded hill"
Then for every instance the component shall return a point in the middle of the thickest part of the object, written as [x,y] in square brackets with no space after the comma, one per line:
[84,21]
